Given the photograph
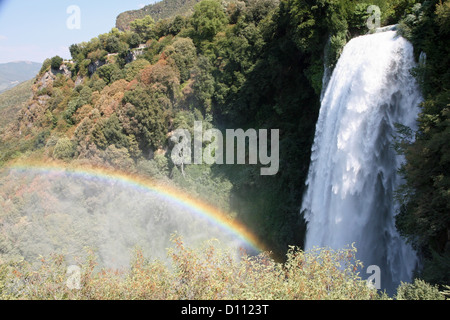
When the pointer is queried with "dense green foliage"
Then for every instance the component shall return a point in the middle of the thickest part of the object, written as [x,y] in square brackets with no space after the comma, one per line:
[208,19]
[56,62]
[12,101]
[418,290]
[425,216]
[209,272]
[239,64]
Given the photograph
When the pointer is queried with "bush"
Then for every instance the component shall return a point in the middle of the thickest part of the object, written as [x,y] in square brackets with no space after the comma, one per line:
[418,290]
[208,272]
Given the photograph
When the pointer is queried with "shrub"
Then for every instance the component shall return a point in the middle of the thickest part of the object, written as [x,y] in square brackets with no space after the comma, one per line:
[208,272]
[418,290]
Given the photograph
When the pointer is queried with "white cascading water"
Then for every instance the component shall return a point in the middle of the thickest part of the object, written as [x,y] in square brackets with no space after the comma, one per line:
[353,171]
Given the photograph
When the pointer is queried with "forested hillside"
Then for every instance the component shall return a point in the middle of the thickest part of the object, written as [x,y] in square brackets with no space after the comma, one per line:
[161,10]
[12,101]
[239,64]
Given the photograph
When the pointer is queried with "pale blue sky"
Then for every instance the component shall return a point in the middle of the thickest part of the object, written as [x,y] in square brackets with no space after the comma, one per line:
[34,30]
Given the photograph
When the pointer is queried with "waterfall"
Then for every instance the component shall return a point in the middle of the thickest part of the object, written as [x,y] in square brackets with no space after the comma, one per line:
[353,171]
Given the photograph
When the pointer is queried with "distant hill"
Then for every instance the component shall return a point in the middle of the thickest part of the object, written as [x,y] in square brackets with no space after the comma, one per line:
[158,11]
[13,73]
[12,100]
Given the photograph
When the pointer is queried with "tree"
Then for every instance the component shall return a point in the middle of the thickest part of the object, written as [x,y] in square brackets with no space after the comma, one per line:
[144,27]
[110,72]
[134,68]
[97,55]
[47,63]
[162,78]
[113,132]
[256,10]
[178,23]
[148,116]
[313,24]
[56,62]
[203,83]
[83,97]
[75,50]
[118,157]
[134,40]
[208,19]
[184,54]
[64,149]
[112,44]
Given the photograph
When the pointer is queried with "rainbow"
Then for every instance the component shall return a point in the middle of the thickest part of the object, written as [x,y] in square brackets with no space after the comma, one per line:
[163,190]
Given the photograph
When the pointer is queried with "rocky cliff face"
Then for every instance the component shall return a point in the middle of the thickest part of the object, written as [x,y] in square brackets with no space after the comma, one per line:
[35,114]
[48,77]
[95,65]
